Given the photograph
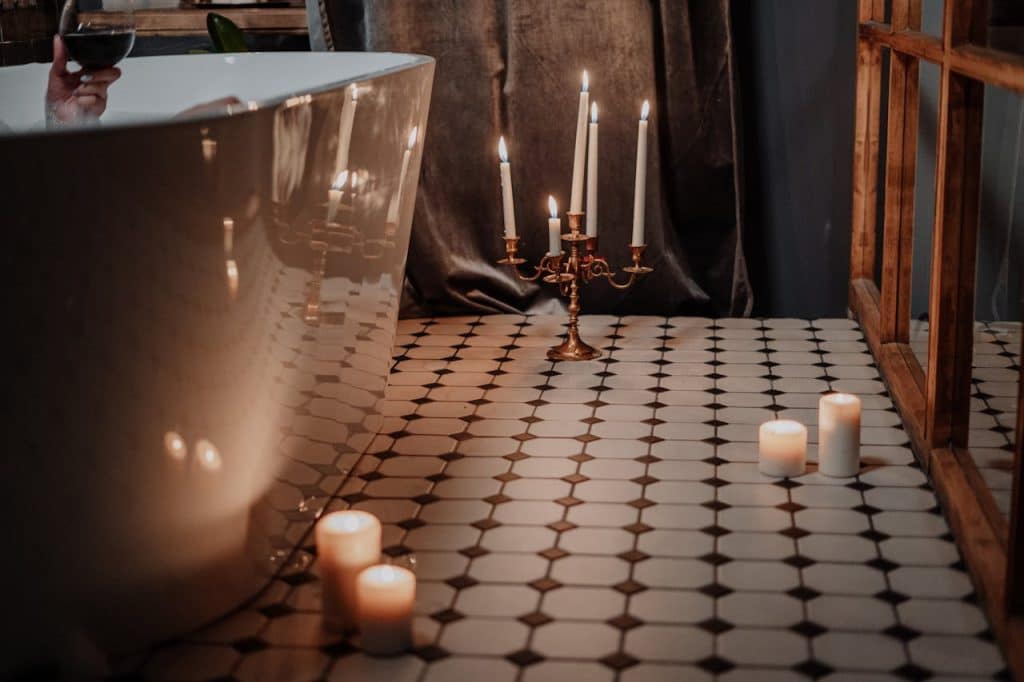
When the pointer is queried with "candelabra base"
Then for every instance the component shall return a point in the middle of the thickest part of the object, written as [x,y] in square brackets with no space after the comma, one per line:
[573,348]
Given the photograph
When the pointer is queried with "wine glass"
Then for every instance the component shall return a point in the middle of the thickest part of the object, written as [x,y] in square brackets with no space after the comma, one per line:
[100,39]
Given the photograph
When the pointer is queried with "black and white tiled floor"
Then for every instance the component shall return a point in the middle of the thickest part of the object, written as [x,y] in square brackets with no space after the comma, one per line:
[997,348]
[606,520]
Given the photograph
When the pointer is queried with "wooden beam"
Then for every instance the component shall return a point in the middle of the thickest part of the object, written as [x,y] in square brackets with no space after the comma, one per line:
[901,162]
[183,22]
[911,42]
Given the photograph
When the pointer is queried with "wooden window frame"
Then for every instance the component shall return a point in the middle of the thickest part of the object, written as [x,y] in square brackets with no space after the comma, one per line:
[935,404]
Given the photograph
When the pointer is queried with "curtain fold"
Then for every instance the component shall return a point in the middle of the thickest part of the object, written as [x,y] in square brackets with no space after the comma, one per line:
[512,67]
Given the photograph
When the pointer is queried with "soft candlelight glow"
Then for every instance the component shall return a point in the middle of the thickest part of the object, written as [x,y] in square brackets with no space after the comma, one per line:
[552,207]
[645,110]
[229,235]
[554,229]
[174,444]
[782,448]
[412,136]
[347,543]
[502,150]
[339,180]
[385,595]
[208,455]
[839,435]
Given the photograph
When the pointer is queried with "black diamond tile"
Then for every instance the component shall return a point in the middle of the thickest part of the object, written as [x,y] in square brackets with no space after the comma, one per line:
[637,528]
[575,478]
[866,509]
[425,499]
[808,628]
[581,458]
[716,590]
[787,483]
[431,653]
[798,561]
[715,440]
[715,530]
[892,597]
[873,535]
[630,586]
[860,486]
[535,619]
[553,553]
[411,524]
[276,610]
[485,524]
[545,584]
[813,668]
[524,657]
[447,616]
[473,552]
[461,582]
[794,533]
[715,481]
[715,626]
[249,645]
[498,498]
[910,671]
[561,526]
[716,665]
[568,501]
[803,593]
[619,661]
[633,556]
[644,480]
[396,551]
[715,505]
[641,503]
[452,456]
[715,559]
[901,632]
[715,461]
[624,622]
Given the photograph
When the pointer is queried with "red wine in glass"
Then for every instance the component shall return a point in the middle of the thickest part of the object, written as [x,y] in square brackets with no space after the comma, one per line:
[99,43]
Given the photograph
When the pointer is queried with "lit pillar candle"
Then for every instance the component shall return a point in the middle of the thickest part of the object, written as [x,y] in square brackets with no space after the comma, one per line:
[506,191]
[554,229]
[347,542]
[334,195]
[576,201]
[396,201]
[592,173]
[782,448]
[640,188]
[348,117]
[385,595]
[839,435]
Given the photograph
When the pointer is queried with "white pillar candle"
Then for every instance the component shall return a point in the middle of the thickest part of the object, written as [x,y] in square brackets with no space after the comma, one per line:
[839,435]
[348,117]
[506,191]
[396,200]
[347,542]
[554,229]
[592,173]
[640,188]
[334,195]
[385,596]
[576,200]
[782,448]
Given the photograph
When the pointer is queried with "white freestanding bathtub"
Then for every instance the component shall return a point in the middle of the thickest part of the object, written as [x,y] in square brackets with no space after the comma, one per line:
[198,331]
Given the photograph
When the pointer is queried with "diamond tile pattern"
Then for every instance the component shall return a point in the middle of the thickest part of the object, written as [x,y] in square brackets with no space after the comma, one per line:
[630,536]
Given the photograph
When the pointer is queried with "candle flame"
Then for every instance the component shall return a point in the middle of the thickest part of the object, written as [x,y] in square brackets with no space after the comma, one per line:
[412,136]
[586,81]
[552,207]
[593,112]
[502,150]
[340,180]
[645,110]
[355,93]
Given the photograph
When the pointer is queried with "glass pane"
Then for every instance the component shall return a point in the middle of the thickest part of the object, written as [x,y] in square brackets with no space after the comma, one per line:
[997,336]
[931,17]
[924,209]
[1005,26]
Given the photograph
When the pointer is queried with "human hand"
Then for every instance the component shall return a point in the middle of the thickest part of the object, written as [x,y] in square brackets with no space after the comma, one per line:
[78,96]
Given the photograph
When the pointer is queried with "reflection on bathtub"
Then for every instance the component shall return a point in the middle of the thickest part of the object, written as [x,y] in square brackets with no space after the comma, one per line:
[174,444]
[208,455]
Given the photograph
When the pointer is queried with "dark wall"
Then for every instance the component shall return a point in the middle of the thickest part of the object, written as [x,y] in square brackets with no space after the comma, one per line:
[796,69]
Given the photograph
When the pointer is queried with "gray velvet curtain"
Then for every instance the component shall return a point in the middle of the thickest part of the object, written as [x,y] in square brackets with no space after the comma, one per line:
[513,67]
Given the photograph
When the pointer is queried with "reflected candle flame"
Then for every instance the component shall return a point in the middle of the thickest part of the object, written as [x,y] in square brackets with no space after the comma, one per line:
[340,180]
[174,444]
[208,455]
[552,207]
[502,150]
[232,272]
[209,150]
[229,234]
[645,110]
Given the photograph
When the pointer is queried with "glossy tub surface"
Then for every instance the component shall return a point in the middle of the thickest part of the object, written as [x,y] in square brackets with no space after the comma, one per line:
[196,354]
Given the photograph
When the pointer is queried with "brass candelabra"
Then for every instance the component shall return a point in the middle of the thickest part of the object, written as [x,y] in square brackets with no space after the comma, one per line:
[568,272]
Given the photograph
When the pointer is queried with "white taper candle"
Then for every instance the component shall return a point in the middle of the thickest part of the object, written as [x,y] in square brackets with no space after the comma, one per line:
[592,173]
[640,188]
[554,229]
[576,200]
[506,191]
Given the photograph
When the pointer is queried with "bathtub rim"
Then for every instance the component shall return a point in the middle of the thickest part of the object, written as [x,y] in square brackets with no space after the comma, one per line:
[226,112]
